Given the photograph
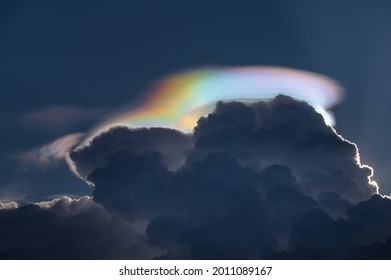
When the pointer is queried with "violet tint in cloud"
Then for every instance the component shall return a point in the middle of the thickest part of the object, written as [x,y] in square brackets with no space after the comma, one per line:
[179,100]
[50,153]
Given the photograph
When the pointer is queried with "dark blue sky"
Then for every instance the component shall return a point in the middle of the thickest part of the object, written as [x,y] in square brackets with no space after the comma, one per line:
[99,55]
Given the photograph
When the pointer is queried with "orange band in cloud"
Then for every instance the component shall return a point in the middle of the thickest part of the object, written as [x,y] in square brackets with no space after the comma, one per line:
[179,100]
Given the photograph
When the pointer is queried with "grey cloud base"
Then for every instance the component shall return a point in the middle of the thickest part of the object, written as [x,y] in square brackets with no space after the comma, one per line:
[263,181]
[68,228]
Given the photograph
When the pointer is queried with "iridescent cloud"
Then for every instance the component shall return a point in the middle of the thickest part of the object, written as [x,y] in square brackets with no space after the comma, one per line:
[179,100]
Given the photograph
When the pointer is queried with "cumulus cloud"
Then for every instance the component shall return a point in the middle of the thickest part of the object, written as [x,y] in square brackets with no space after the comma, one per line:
[254,181]
[6,205]
[250,175]
[172,144]
[67,228]
[376,251]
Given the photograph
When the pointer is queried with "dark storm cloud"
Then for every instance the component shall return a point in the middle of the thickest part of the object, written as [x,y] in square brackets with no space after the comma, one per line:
[365,234]
[266,180]
[251,175]
[288,133]
[376,251]
[170,143]
[68,228]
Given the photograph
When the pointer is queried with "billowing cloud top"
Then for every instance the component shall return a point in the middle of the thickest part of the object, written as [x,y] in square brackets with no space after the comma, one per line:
[250,182]
[179,100]
[263,178]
